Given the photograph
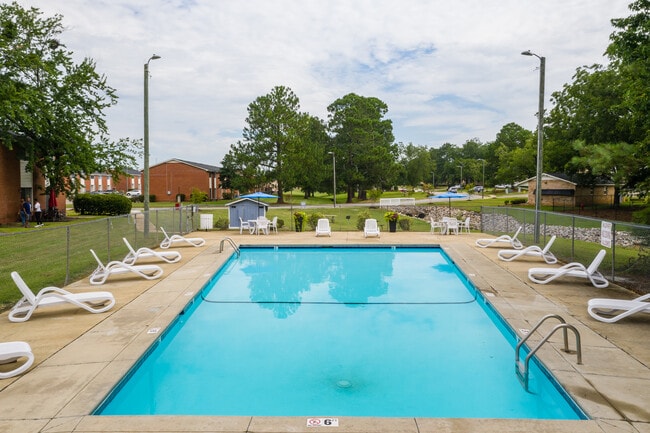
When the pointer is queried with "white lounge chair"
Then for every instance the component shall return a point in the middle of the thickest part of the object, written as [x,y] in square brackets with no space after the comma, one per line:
[575,269]
[512,240]
[178,239]
[101,274]
[323,227]
[531,251]
[95,302]
[146,253]
[371,228]
[11,352]
[613,310]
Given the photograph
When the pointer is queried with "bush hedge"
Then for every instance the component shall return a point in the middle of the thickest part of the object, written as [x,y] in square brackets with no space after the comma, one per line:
[102,204]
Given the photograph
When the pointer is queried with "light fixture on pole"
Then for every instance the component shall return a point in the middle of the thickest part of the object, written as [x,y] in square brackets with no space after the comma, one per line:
[483,181]
[461,176]
[334,174]
[146,143]
[540,141]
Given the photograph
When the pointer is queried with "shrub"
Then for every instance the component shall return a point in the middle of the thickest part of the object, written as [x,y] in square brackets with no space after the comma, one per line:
[312,220]
[518,201]
[391,216]
[361,219]
[404,224]
[198,196]
[299,218]
[102,204]
[222,223]
[375,194]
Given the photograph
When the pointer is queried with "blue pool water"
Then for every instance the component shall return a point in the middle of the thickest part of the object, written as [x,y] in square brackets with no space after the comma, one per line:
[382,332]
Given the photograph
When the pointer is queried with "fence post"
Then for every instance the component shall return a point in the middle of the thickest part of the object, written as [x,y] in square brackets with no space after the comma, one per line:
[613,251]
[67,256]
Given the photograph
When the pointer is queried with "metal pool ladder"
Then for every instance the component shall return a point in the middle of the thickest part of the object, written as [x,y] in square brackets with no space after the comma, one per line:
[522,368]
[232,244]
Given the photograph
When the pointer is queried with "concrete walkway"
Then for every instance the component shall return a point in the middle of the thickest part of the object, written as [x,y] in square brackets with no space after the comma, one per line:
[81,356]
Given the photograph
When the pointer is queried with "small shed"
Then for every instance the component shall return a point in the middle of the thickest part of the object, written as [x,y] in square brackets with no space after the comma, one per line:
[246,209]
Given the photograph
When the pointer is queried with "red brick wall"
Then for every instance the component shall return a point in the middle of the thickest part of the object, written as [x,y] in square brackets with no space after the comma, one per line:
[169,179]
[9,185]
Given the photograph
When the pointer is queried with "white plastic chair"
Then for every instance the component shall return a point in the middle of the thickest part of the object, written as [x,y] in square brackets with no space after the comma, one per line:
[101,274]
[531,251]
[146,253]
[13,351]
[575,269]
[452,225]
[244,225]
[613,310]
[94,302]
[273,225]
[440,226]
[465,226]
[323,227]
[262,225]
[512,240]
[178,239]
[371,228]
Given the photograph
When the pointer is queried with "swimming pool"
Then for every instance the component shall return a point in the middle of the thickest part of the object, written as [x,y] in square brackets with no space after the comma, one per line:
[382,332]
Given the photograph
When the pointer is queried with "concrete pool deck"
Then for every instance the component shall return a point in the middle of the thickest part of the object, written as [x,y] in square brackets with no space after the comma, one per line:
[81,356]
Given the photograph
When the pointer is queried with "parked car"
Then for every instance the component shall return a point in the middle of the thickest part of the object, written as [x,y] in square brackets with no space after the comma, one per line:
[478,188]
[133,193]
[454,188]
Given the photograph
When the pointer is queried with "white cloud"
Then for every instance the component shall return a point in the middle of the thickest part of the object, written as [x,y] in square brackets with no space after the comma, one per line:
[449,71]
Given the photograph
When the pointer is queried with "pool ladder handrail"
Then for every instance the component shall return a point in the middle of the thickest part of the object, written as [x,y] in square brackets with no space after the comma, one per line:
[522,369]
[232,244]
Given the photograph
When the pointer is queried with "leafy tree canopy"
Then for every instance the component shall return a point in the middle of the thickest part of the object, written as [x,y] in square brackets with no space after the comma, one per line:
[52,110]
[363,143]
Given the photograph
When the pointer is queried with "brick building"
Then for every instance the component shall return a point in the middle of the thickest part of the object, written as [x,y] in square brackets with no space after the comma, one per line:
[170,180]
[106,182]
[16,183]
[558,190]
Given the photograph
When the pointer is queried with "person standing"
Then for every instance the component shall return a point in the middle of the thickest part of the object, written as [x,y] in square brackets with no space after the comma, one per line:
[27,208]
[38,215]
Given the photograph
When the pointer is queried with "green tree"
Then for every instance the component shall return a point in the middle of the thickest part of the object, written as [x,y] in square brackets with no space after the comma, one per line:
[52,110]
[607,107]
[363,142]
[308,165]
[274,133]
[416,164]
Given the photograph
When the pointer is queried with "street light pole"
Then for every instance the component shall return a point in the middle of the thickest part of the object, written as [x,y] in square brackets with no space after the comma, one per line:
[483,181]
[334,174]
[540,141]
[146,143]
[461,176]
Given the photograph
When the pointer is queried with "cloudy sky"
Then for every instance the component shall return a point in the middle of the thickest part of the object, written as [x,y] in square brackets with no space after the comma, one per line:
[449,71]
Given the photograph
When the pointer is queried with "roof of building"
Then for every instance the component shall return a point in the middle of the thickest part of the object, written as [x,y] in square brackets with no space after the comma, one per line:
[199,165]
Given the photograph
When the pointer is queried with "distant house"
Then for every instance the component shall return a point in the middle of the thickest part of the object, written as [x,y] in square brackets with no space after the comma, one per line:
[97,182]
[173,179]
[559,190]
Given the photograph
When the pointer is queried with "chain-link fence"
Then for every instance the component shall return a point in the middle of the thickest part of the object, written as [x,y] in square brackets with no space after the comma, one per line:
[578,240]
[57,255]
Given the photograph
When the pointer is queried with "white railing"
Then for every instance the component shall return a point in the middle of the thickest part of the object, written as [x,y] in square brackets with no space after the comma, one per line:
[385,202]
